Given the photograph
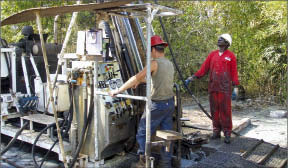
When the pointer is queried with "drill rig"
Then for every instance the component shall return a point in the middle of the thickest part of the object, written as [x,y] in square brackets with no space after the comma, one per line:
[92,126]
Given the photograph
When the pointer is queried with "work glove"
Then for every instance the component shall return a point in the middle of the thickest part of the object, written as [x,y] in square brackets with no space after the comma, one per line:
[189,79]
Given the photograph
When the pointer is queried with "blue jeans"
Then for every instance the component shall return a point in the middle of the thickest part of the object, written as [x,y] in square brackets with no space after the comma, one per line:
[161,115]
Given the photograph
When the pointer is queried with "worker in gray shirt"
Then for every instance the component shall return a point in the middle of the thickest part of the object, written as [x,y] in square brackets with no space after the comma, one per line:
[162,95]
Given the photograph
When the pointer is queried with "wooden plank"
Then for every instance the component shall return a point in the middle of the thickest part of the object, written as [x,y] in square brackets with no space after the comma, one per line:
[29,14]
[265,157]
[168,135]
[245,122]
[283,163]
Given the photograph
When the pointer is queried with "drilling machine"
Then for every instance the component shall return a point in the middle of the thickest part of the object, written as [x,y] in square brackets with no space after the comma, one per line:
[28,96]
[93,126]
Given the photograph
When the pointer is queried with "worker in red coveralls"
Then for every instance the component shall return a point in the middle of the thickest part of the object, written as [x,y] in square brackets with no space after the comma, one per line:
[222,67]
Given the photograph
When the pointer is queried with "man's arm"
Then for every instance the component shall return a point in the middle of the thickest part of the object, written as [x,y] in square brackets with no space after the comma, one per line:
[234,72]
[205,67]
[201,72]
[135,80]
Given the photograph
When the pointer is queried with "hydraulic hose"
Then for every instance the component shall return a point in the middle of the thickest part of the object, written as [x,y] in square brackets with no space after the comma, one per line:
[195,127]
[83,133]
[69,118]
[180,73]
[65,133]
[13,140]
[36,140]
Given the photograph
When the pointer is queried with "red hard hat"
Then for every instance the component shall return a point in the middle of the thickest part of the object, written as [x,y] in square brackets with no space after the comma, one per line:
[156,40]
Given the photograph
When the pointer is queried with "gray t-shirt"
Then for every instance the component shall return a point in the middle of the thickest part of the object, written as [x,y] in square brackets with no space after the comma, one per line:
[162,80]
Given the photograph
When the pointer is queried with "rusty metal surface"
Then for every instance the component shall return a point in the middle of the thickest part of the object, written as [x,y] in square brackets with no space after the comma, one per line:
[29,14]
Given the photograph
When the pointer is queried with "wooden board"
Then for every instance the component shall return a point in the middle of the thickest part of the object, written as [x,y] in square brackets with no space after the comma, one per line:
[244,123]
[168,135]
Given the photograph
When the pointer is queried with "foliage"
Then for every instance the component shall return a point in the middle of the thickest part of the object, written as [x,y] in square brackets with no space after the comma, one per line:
[259,36]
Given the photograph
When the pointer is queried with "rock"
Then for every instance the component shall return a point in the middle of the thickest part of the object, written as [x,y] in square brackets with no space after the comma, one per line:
[278,113]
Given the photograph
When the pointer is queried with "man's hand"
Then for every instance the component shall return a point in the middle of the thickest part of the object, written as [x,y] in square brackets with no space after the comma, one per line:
[189,79]
[113,93]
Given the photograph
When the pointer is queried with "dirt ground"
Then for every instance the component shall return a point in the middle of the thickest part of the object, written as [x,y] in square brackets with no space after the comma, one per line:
[265,121]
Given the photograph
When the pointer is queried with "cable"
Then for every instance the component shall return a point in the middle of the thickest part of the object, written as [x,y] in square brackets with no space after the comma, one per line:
[85,126]
[34,144]
[178,69]
[69,118]
[55,142]
[195,127]
[13,140]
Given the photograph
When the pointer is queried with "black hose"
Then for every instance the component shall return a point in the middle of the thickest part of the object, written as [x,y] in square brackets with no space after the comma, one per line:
[69,118]
[13,140]
[180,73]
[85,126]
[34,144]
[46,155]
[195,127]
[55,142]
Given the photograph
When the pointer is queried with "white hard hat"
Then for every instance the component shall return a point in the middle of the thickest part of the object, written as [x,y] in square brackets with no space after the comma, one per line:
[227,37]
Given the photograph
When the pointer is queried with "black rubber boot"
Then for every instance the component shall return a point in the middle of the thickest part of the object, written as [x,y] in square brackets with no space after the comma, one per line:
[216,135]
[227,139]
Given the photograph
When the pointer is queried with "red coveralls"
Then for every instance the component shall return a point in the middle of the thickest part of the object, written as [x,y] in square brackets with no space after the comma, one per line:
[223,70]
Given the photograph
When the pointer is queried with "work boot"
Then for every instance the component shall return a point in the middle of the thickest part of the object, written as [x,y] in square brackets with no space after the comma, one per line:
[227,139]
[141,162]
[216,135]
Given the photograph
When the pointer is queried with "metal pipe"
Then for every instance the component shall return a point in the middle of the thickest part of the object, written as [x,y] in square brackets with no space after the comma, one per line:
[13,67]
[61,55]
[141,34]
[56,28]
[122,96]
[133,43]
[85,96]
[179,127]
[38,21]
[74,125]
[24,68]
[152,162]
[35,68]
[148,90]
[96,116]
